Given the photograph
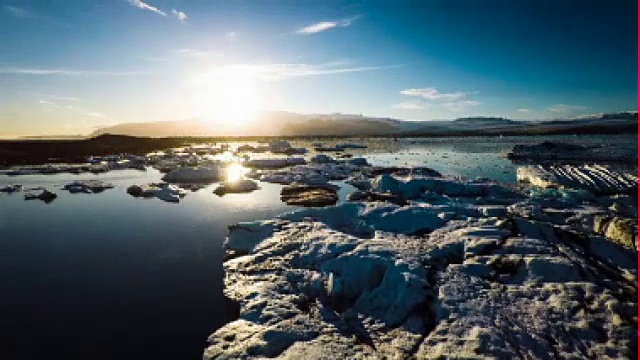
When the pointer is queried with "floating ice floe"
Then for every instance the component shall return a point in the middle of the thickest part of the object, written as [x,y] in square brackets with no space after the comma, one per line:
[193,174]
[345,282]
[87,186]
[283,147]
[40,194]
[163,191]
[316,173]
[274,163]
[594,178]
[412,188]
[239,186]
[309,195]
[10,188]
[351,146]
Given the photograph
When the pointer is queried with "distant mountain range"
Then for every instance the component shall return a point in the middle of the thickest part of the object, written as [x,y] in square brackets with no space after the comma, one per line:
[293,124]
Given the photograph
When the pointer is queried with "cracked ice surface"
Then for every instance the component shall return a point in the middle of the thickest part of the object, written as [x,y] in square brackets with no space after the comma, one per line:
[378,280]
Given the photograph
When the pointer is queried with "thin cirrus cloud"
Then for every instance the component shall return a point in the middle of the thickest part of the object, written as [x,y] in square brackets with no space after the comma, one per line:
[60,105]
[65,72]
[144,6]
[96,114]
[19,12]
[523,110]
[434,94]
[452,101]
[564,108]
[326,25]
[284,71]
[180,15]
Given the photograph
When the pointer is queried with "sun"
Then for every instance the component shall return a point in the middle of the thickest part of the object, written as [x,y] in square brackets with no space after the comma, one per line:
[227,96]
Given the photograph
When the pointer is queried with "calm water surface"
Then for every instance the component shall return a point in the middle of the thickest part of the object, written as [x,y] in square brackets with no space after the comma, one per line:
[109,276]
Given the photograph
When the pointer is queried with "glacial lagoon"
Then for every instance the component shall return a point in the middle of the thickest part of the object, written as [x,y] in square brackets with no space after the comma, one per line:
[108,275]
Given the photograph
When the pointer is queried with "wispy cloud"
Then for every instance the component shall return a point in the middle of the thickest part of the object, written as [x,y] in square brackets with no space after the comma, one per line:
[19,12]
[326,25]
[564,108]
[194,53]
[285,71]
[230,36]
[452,101]
[181,15]
[434,94]
[53,97]
[61,105]
[96,114]
[409,105]
[65,72]
[523,110]
[276,72]
[143,5]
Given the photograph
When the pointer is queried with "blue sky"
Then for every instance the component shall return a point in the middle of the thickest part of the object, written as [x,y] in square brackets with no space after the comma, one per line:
[68,67]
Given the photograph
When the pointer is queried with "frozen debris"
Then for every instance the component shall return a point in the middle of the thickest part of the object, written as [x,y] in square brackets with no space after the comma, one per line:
[359,182]
[40,194]
[170,193]
[240,186]
[9,189]
[163,191]
[246,148]
[274,163]
[87,186]
[372,196]
[295,176]
[553,151]
[312,174]
[193,174]
[413,188]
[599,179]
[145,191]
[402,171]
[309,195]
[94,165]
[322,159]
[475,288]
[283,147]
[351,146]
[619,230]
[328,149]
[338,147]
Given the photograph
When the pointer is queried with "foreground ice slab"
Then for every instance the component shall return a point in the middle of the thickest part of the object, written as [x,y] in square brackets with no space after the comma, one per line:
[553,151]
[474,288]
[594,178]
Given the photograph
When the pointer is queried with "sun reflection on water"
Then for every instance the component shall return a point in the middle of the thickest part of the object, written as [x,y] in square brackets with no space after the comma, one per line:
[235,172]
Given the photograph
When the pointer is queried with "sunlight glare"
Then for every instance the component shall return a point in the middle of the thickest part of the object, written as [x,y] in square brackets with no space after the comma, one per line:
[236,172]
